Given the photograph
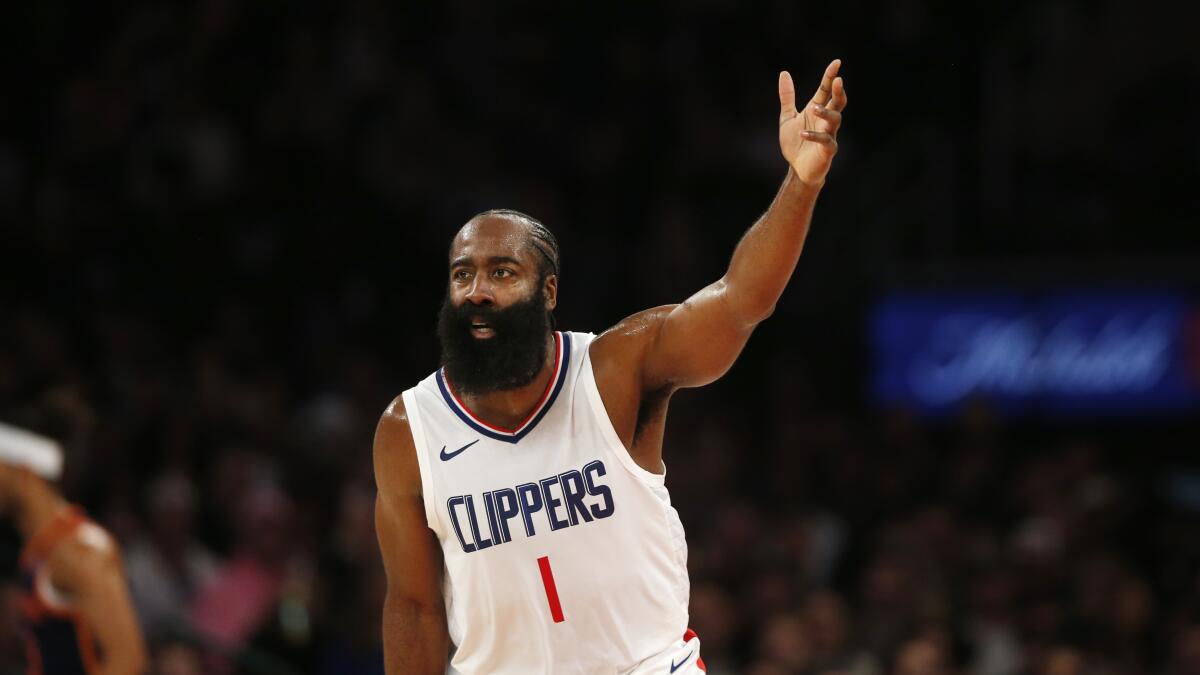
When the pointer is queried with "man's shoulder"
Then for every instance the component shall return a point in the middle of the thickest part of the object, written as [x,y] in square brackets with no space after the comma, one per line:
[631,335]
[87,551]
[395,452]
[394,417]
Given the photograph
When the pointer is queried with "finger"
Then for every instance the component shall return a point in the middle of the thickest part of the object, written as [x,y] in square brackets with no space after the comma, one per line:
[825,90]
[787,97]
[821,137]
[833,117]
[839,95]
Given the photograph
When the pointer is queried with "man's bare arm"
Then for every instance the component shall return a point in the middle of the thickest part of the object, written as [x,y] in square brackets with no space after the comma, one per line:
[415,640]
[696,342]
[88,568]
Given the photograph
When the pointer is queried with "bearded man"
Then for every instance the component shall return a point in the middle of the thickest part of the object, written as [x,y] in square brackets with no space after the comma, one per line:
[522,512]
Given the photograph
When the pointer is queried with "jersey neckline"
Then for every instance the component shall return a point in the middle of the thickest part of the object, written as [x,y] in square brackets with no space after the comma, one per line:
[562,359]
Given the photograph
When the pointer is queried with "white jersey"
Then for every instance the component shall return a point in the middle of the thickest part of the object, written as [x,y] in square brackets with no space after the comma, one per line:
[562,555]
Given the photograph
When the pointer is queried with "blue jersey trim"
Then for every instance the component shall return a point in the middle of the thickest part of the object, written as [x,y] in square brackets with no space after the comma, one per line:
[528,426]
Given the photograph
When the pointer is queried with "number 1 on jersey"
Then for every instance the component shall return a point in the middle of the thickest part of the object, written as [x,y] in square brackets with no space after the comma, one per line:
[551,589]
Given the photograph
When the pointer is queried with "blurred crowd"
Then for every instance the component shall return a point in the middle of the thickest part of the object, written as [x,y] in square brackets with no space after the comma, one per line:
[224,226]
[884,546]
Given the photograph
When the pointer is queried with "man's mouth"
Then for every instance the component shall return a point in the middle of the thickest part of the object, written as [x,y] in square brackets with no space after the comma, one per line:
[482,330]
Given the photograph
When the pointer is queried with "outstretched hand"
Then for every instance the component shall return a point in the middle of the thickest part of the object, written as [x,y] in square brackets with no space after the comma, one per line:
[808,137]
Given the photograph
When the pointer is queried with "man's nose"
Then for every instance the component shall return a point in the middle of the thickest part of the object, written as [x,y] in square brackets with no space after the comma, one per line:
[480,292]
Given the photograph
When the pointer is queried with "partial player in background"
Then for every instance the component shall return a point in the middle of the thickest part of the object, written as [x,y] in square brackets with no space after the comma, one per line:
[75,603]
[522,510]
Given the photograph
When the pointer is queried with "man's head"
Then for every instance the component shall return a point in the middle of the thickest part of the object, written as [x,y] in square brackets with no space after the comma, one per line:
[25,457]
[503,288]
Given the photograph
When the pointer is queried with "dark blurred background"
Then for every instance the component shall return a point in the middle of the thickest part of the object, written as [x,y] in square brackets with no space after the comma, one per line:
[224,226]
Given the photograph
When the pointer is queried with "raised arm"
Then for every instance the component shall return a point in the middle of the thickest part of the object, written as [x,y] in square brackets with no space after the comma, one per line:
[696,342]
[415,640]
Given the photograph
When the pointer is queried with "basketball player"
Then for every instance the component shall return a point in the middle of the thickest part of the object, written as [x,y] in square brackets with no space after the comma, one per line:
[522,513]
[76,608]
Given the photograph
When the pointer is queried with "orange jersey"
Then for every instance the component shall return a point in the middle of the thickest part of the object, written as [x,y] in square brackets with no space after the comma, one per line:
[57,639]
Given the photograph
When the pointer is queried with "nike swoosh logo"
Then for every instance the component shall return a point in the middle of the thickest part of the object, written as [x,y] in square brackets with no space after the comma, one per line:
[677,666]
[451,455]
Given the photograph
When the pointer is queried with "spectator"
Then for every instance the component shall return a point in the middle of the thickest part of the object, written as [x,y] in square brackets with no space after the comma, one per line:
[168,566]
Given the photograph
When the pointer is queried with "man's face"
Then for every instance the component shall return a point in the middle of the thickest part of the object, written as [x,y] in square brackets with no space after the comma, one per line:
[495,320]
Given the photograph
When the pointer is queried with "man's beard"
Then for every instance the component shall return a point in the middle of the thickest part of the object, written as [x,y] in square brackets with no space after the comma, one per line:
[511,358]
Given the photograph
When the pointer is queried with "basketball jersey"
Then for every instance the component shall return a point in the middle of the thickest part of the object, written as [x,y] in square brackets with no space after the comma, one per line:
[562,555]
[57,638]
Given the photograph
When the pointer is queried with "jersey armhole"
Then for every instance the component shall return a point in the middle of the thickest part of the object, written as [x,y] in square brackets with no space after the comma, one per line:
[417,427]
[49,594]
[592,390]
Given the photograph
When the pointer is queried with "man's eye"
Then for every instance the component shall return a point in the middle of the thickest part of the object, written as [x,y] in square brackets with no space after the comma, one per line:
[461,275]
[502,273]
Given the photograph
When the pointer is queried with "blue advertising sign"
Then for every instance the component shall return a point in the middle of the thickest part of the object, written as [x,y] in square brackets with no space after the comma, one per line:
[1058,353]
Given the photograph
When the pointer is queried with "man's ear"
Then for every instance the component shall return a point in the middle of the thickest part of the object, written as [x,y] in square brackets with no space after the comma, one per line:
[550,289]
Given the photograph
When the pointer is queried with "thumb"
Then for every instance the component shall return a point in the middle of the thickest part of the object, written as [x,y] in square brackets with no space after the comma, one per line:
[787,97]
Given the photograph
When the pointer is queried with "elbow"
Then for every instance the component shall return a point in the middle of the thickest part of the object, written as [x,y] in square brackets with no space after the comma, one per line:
[752,311]
[414,645]
[412,605]
[418,627]
[763,313]
[747,307]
